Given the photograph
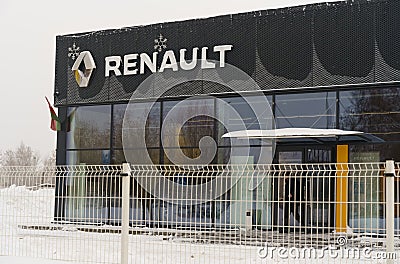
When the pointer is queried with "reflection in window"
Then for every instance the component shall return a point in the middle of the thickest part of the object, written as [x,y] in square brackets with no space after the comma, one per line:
[173,155]
[139,154]
[86,193]
[197,127]
[136,124]
[224,155]
[89,157]
[118,117]
[248,119]
[189,177]
[375,111]
[89,127]
[191,153]
[310,110]
[85,199]
[365,200]
[290,157]
[118,157]
[374,152]
[241,155]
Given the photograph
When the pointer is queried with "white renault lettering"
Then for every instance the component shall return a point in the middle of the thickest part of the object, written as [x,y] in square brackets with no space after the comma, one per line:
[140,63]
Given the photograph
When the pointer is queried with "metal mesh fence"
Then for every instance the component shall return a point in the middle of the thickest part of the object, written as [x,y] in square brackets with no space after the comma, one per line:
[199,214]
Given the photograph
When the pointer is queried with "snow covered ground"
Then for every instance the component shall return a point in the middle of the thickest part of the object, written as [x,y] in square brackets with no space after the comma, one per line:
[28,260]
[20,206]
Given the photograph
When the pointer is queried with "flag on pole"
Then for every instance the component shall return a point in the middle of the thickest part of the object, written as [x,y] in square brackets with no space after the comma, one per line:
[55,123]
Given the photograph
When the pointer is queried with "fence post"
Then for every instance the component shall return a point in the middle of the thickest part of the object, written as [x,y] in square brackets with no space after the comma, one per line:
[126,177]
[389,175]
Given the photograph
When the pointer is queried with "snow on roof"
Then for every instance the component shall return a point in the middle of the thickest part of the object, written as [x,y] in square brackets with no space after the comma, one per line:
[290,133]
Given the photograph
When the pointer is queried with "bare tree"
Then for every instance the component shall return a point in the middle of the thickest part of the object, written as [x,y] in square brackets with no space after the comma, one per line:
[374,111]
[49,170]
[50,160]
[23,156]
[20,166]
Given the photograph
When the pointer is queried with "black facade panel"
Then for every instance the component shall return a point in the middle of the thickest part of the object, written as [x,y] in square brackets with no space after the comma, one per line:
[284,46]
[120,44]
[97,89]
[315,45]
[142,40]
[61,69]
[387,41]
[344,44]
[191,87]
[238,30]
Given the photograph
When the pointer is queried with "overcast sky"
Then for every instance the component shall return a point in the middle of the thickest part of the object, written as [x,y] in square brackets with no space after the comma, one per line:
[27,47]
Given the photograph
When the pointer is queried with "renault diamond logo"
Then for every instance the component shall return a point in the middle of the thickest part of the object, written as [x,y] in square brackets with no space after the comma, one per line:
[83,68]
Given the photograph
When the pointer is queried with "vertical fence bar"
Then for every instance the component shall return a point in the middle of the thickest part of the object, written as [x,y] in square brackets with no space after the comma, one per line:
[126,176]
[389,175]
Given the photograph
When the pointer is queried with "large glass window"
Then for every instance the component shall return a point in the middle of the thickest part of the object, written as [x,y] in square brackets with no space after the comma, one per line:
[374,152]
[118,117]
[150,123]
[89,157]
[154,154]
[309,110]
[365,194]
[239,113]
[85,198]
[366,190]
[375,111]
[253,113]
[186,124]
[89,127]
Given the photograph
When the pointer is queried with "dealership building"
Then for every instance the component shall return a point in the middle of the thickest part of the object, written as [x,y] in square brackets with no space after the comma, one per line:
[322,66]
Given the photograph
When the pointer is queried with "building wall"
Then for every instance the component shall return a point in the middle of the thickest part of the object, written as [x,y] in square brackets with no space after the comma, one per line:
[334,65]
[330,65]
[309,46]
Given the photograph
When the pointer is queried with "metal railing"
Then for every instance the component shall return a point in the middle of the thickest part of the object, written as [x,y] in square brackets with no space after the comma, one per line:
[202,214]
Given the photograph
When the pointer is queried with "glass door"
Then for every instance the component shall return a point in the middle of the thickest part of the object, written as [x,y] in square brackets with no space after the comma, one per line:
[287,189]
[304,197]
[319,189]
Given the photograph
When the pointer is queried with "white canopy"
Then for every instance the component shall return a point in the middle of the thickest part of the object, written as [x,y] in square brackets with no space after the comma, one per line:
[290,133]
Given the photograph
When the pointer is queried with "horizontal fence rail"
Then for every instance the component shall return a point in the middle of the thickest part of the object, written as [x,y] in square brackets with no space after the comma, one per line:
[199,214]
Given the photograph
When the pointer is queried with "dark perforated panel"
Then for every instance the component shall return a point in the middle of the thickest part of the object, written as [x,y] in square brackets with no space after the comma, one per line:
[61,72]
[315,45]
[192,87]
[237,30]
[387,50]
[96,91]
[344,44]
[284,49]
